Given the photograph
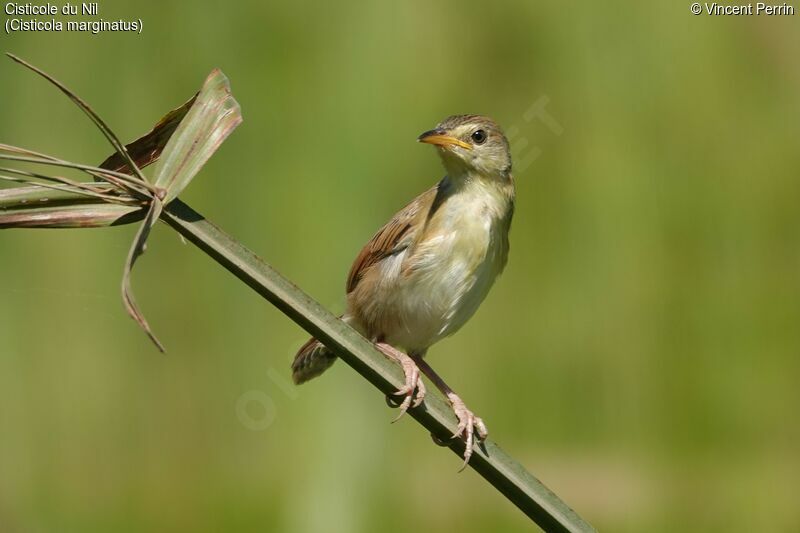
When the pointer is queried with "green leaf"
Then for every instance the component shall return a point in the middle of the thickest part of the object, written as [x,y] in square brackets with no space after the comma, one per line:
[212,117]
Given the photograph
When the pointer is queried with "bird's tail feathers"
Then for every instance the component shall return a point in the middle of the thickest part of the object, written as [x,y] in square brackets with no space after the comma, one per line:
[311,360]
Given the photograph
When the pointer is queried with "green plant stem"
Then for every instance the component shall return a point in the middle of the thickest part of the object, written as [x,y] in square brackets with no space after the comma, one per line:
[498,468]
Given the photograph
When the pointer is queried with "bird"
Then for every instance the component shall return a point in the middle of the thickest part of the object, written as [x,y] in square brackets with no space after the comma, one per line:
[425,273]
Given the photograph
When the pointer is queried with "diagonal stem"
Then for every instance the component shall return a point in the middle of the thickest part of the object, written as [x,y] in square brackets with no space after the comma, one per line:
[506,474]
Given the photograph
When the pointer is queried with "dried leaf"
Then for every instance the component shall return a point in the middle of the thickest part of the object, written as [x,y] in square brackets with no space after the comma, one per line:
[24,151]
[70,216]
[187,136]
[124,182]
[34,197]
[147,148]
[101,125]
[60,183]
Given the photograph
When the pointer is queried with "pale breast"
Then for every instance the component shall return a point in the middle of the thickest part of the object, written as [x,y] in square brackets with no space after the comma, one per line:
[430,290]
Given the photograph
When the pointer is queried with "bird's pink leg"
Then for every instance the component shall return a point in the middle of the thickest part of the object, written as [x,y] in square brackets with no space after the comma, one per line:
[468,423]
[413,381]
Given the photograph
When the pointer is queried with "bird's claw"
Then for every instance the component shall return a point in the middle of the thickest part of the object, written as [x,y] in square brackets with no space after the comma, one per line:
[468,424]
[413,390]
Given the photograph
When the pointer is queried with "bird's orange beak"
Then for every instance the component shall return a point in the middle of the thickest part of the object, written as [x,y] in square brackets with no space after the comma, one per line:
[440,138]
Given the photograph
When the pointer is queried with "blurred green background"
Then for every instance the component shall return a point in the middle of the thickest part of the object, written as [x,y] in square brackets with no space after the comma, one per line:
[639,355]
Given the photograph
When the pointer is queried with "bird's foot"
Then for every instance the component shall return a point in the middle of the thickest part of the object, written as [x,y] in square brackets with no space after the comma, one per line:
[414,389]
[468,424]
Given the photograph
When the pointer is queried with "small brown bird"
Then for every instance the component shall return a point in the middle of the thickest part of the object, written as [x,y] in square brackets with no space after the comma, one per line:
[424,274]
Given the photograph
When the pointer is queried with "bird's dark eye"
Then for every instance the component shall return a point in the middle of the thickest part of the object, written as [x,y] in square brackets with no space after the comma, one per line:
[478,136]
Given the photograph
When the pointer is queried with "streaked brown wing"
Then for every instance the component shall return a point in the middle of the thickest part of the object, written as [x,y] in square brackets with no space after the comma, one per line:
[395,236]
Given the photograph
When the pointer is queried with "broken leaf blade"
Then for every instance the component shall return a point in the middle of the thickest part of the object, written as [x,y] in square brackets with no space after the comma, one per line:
[137,249]
[212,117]
[98,215]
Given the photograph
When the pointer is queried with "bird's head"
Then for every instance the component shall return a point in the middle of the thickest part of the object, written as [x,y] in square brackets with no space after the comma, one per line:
[470,145]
